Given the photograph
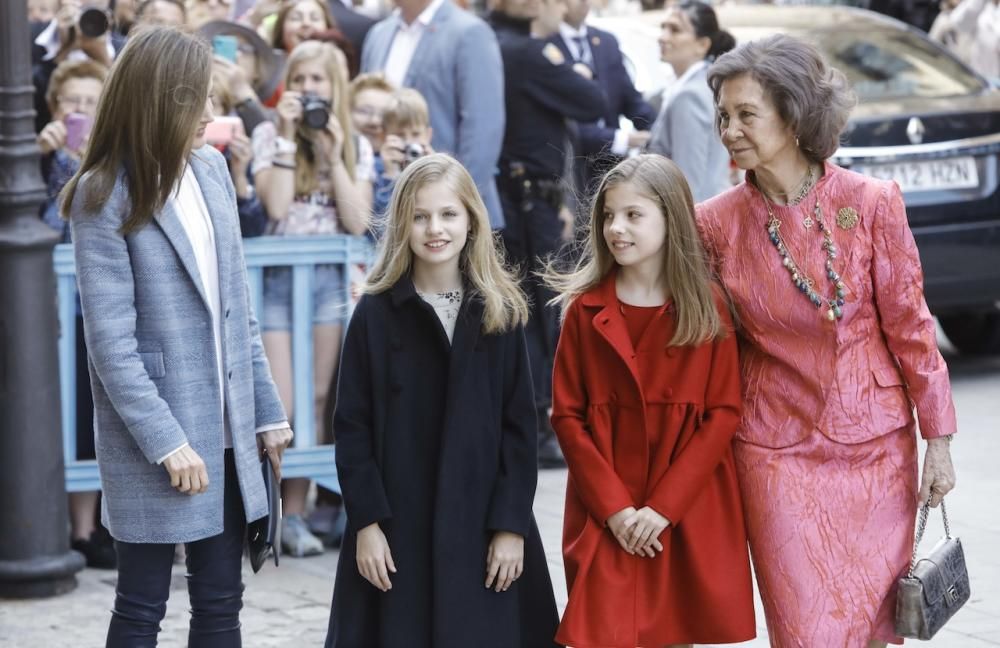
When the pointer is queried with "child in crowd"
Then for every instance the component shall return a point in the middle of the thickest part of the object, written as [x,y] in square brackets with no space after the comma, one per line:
[313,178]
[370,96]
[646,401]
[436,449]
[406,125]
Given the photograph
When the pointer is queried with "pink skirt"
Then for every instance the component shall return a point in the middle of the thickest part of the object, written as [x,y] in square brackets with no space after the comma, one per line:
[831,531]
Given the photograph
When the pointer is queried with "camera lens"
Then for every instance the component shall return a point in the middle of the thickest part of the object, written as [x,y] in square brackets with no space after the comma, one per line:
[93,22]
[413,151]
[315,111]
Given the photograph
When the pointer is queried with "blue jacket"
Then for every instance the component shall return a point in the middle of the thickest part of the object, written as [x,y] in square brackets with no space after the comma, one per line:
[152,361]
[457,68]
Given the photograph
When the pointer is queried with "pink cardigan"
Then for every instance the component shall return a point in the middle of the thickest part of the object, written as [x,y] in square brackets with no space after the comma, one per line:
[854,379]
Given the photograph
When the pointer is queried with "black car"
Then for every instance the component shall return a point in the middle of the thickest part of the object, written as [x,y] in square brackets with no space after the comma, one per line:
[923,119]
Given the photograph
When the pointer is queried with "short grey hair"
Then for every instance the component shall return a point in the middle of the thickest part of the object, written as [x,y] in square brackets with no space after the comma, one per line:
[814,99]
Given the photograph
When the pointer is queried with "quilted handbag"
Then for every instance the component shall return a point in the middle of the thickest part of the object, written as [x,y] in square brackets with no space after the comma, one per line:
[935,587]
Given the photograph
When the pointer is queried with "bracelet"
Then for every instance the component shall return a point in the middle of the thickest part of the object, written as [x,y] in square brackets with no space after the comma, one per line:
[283,165]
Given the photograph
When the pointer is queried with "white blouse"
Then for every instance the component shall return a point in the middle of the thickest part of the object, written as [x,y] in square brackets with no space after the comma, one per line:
[446,305]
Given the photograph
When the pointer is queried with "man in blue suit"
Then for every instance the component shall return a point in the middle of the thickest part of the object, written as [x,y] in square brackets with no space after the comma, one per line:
[602,144]
[451,57]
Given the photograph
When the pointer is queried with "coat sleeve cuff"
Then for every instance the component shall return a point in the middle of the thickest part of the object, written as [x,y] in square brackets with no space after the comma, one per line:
[506,514]
[362,514]
[272,426]
[174,451]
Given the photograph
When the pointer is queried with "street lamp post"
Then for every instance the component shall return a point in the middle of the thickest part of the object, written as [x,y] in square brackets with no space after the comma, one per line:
[35,559]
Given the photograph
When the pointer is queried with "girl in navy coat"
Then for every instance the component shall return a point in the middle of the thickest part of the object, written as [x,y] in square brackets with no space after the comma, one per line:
[436,447]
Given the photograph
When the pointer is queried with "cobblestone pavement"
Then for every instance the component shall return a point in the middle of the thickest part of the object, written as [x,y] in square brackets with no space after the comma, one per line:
[289,606]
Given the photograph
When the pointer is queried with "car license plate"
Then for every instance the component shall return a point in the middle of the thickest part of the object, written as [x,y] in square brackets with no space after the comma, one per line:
[926,175]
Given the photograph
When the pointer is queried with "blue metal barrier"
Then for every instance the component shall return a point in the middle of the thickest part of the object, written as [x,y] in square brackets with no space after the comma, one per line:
[307,457]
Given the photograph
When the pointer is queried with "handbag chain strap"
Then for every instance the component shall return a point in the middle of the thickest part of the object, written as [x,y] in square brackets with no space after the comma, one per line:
[925,510]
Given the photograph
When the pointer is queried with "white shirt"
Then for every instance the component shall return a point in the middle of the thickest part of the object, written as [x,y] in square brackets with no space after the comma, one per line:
[577,43]
[404,44]
[49,41]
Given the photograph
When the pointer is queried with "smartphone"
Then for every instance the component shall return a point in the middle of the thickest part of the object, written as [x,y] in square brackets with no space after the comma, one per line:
[221,131]
[226,47]
[78,127]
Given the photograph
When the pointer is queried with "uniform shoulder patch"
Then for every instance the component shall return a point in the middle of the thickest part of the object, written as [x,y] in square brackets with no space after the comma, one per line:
[553,54]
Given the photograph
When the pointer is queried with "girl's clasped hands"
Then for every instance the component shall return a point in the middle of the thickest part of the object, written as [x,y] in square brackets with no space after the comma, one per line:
[638,531]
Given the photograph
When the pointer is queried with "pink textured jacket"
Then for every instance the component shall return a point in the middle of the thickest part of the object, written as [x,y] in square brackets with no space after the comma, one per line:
[854,379]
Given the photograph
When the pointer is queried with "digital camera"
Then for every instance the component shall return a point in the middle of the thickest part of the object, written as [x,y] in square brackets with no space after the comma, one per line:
[93,22]
[412,151]
[315,111]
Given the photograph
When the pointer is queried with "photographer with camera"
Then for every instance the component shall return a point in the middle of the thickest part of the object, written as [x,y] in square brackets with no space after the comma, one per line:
[314,177]
[407,136]
[81,30]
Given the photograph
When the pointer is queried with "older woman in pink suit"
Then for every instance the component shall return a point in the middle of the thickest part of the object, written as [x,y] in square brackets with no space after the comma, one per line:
[837,347]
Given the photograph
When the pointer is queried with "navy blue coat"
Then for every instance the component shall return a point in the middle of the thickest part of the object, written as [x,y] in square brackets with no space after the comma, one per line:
[437,443]
[593,139]
[540,93]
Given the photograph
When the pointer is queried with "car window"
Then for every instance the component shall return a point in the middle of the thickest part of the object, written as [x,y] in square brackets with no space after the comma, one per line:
[884,64]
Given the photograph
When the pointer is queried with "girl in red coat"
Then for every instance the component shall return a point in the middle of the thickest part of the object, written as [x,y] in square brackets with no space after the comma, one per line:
[646,399]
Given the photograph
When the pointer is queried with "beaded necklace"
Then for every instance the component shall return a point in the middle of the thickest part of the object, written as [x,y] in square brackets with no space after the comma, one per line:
[799,278]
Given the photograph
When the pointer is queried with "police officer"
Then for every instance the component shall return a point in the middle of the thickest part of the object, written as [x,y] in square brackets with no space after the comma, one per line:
[541,91]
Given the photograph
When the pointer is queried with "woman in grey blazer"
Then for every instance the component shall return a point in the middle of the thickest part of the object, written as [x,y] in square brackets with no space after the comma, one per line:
[684,130]
[183,397]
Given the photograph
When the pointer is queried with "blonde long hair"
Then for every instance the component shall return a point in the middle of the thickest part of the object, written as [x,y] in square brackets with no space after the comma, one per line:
[481,262]
[685,265]
[335,64]
[153,97]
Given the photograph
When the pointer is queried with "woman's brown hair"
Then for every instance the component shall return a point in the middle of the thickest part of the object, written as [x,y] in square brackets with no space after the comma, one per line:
[152,100]
[685,265]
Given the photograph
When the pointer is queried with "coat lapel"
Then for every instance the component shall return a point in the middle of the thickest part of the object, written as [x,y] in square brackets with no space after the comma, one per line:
[169,221]
[464,340]
[560,42]
[599,52]
[610,323]
[427,41]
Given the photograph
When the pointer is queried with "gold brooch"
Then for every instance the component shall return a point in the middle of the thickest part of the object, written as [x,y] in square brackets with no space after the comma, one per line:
[847,218]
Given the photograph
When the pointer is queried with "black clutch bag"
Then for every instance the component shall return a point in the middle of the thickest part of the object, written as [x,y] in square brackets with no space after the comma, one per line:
[935,587]
[264,535]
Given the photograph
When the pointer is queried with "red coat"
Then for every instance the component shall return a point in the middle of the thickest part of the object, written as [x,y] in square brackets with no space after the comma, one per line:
[649,427]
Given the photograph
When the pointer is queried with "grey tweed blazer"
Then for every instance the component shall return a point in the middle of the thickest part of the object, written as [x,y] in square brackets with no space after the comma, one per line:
[152,361]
